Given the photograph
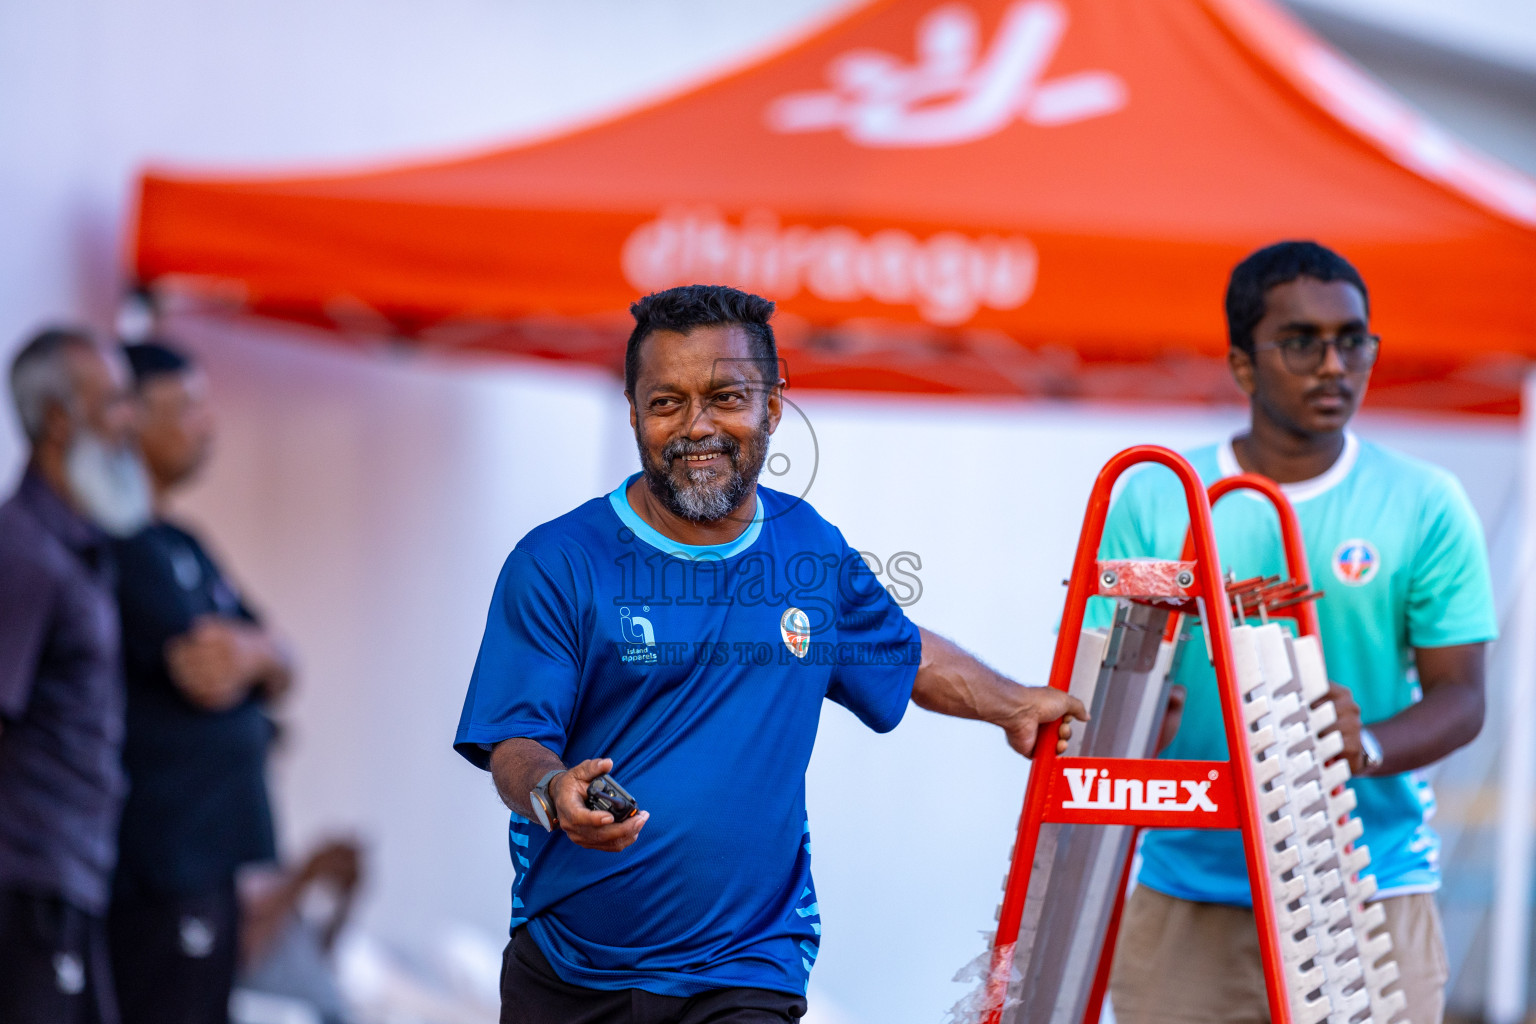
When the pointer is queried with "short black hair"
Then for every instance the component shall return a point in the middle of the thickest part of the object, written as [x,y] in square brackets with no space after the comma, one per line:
[154,358]
[688,306]
[1275,265]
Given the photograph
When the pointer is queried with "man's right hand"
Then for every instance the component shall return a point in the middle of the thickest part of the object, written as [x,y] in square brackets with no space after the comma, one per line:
[215,663]
[593,830]
[1347,725]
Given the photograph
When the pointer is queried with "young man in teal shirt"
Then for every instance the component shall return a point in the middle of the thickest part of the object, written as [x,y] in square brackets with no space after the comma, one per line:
[1407,612]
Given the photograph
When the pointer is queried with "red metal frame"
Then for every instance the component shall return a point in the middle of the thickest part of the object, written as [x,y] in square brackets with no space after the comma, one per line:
[1305,614]
[1044,779]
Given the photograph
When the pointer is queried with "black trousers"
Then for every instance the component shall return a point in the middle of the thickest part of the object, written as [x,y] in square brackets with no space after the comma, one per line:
[54,967]
[174,954]
[532,993]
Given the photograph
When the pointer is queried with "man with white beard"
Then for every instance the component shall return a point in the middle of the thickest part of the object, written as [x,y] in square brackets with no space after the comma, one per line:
[61,689]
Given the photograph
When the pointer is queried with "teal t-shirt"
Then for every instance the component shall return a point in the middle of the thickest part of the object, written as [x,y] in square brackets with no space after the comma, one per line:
[1399,554]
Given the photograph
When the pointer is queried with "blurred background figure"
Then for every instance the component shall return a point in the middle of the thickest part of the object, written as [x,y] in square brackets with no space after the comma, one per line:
[201,672]
[61,705]
[288,938]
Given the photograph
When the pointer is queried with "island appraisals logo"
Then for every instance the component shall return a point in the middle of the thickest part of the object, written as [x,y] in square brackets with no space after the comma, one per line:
[795,628]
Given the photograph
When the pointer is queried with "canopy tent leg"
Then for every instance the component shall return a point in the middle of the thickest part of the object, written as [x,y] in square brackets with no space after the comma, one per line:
[1509,923]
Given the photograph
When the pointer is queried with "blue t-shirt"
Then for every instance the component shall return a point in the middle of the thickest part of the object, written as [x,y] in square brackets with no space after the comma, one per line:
[700,671]
[1398,552]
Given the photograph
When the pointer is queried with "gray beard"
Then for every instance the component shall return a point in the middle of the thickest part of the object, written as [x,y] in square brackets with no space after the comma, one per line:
[704,499]
[109,484]
[706,495]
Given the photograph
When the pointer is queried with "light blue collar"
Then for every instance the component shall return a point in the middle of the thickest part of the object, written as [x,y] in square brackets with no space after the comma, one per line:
[656,539]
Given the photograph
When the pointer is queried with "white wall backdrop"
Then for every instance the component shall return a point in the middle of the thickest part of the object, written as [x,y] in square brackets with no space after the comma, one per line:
[367,501]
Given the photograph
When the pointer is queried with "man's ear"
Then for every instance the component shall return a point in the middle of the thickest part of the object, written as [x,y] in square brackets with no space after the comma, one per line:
[775,404]
[634,417]
[1240,363]
[58,426]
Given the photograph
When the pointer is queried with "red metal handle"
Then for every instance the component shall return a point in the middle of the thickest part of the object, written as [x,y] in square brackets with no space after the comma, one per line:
[1290,536]
[1083,585]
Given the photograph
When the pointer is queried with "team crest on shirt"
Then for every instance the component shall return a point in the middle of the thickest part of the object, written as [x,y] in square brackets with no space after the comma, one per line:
[1355,562]
[795,628]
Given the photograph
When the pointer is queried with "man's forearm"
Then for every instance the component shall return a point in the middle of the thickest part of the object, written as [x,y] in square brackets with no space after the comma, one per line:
[517,765]
[1447,719]
[952,682]
[1449,715]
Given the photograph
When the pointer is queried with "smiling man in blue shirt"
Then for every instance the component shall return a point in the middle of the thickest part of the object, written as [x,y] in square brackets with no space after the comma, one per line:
[683,632]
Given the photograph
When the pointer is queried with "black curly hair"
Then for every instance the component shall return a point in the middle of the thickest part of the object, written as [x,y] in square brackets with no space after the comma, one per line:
[688,306]
[1276,265]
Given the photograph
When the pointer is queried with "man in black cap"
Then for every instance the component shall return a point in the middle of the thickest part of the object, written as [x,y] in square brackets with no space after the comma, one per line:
[200,671]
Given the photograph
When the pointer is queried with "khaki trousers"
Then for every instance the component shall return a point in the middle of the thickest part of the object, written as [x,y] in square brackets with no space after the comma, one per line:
[1179,962]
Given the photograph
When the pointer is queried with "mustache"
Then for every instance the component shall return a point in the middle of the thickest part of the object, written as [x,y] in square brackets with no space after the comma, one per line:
[1331,389]
[716,445]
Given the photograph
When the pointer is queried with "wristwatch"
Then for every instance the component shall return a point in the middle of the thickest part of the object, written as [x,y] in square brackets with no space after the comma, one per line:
[1370,752]
[544,803]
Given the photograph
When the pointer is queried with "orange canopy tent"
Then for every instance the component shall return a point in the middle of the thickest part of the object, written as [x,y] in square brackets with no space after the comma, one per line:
[983,197]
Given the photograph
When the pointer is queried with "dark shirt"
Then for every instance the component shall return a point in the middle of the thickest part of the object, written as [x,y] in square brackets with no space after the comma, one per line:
[61,700]
[197,800]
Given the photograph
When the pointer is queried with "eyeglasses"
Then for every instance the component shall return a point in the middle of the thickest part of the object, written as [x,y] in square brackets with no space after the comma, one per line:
[1304,353]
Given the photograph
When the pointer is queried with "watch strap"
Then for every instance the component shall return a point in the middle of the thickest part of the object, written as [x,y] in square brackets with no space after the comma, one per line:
[1370,750]
[543,801]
